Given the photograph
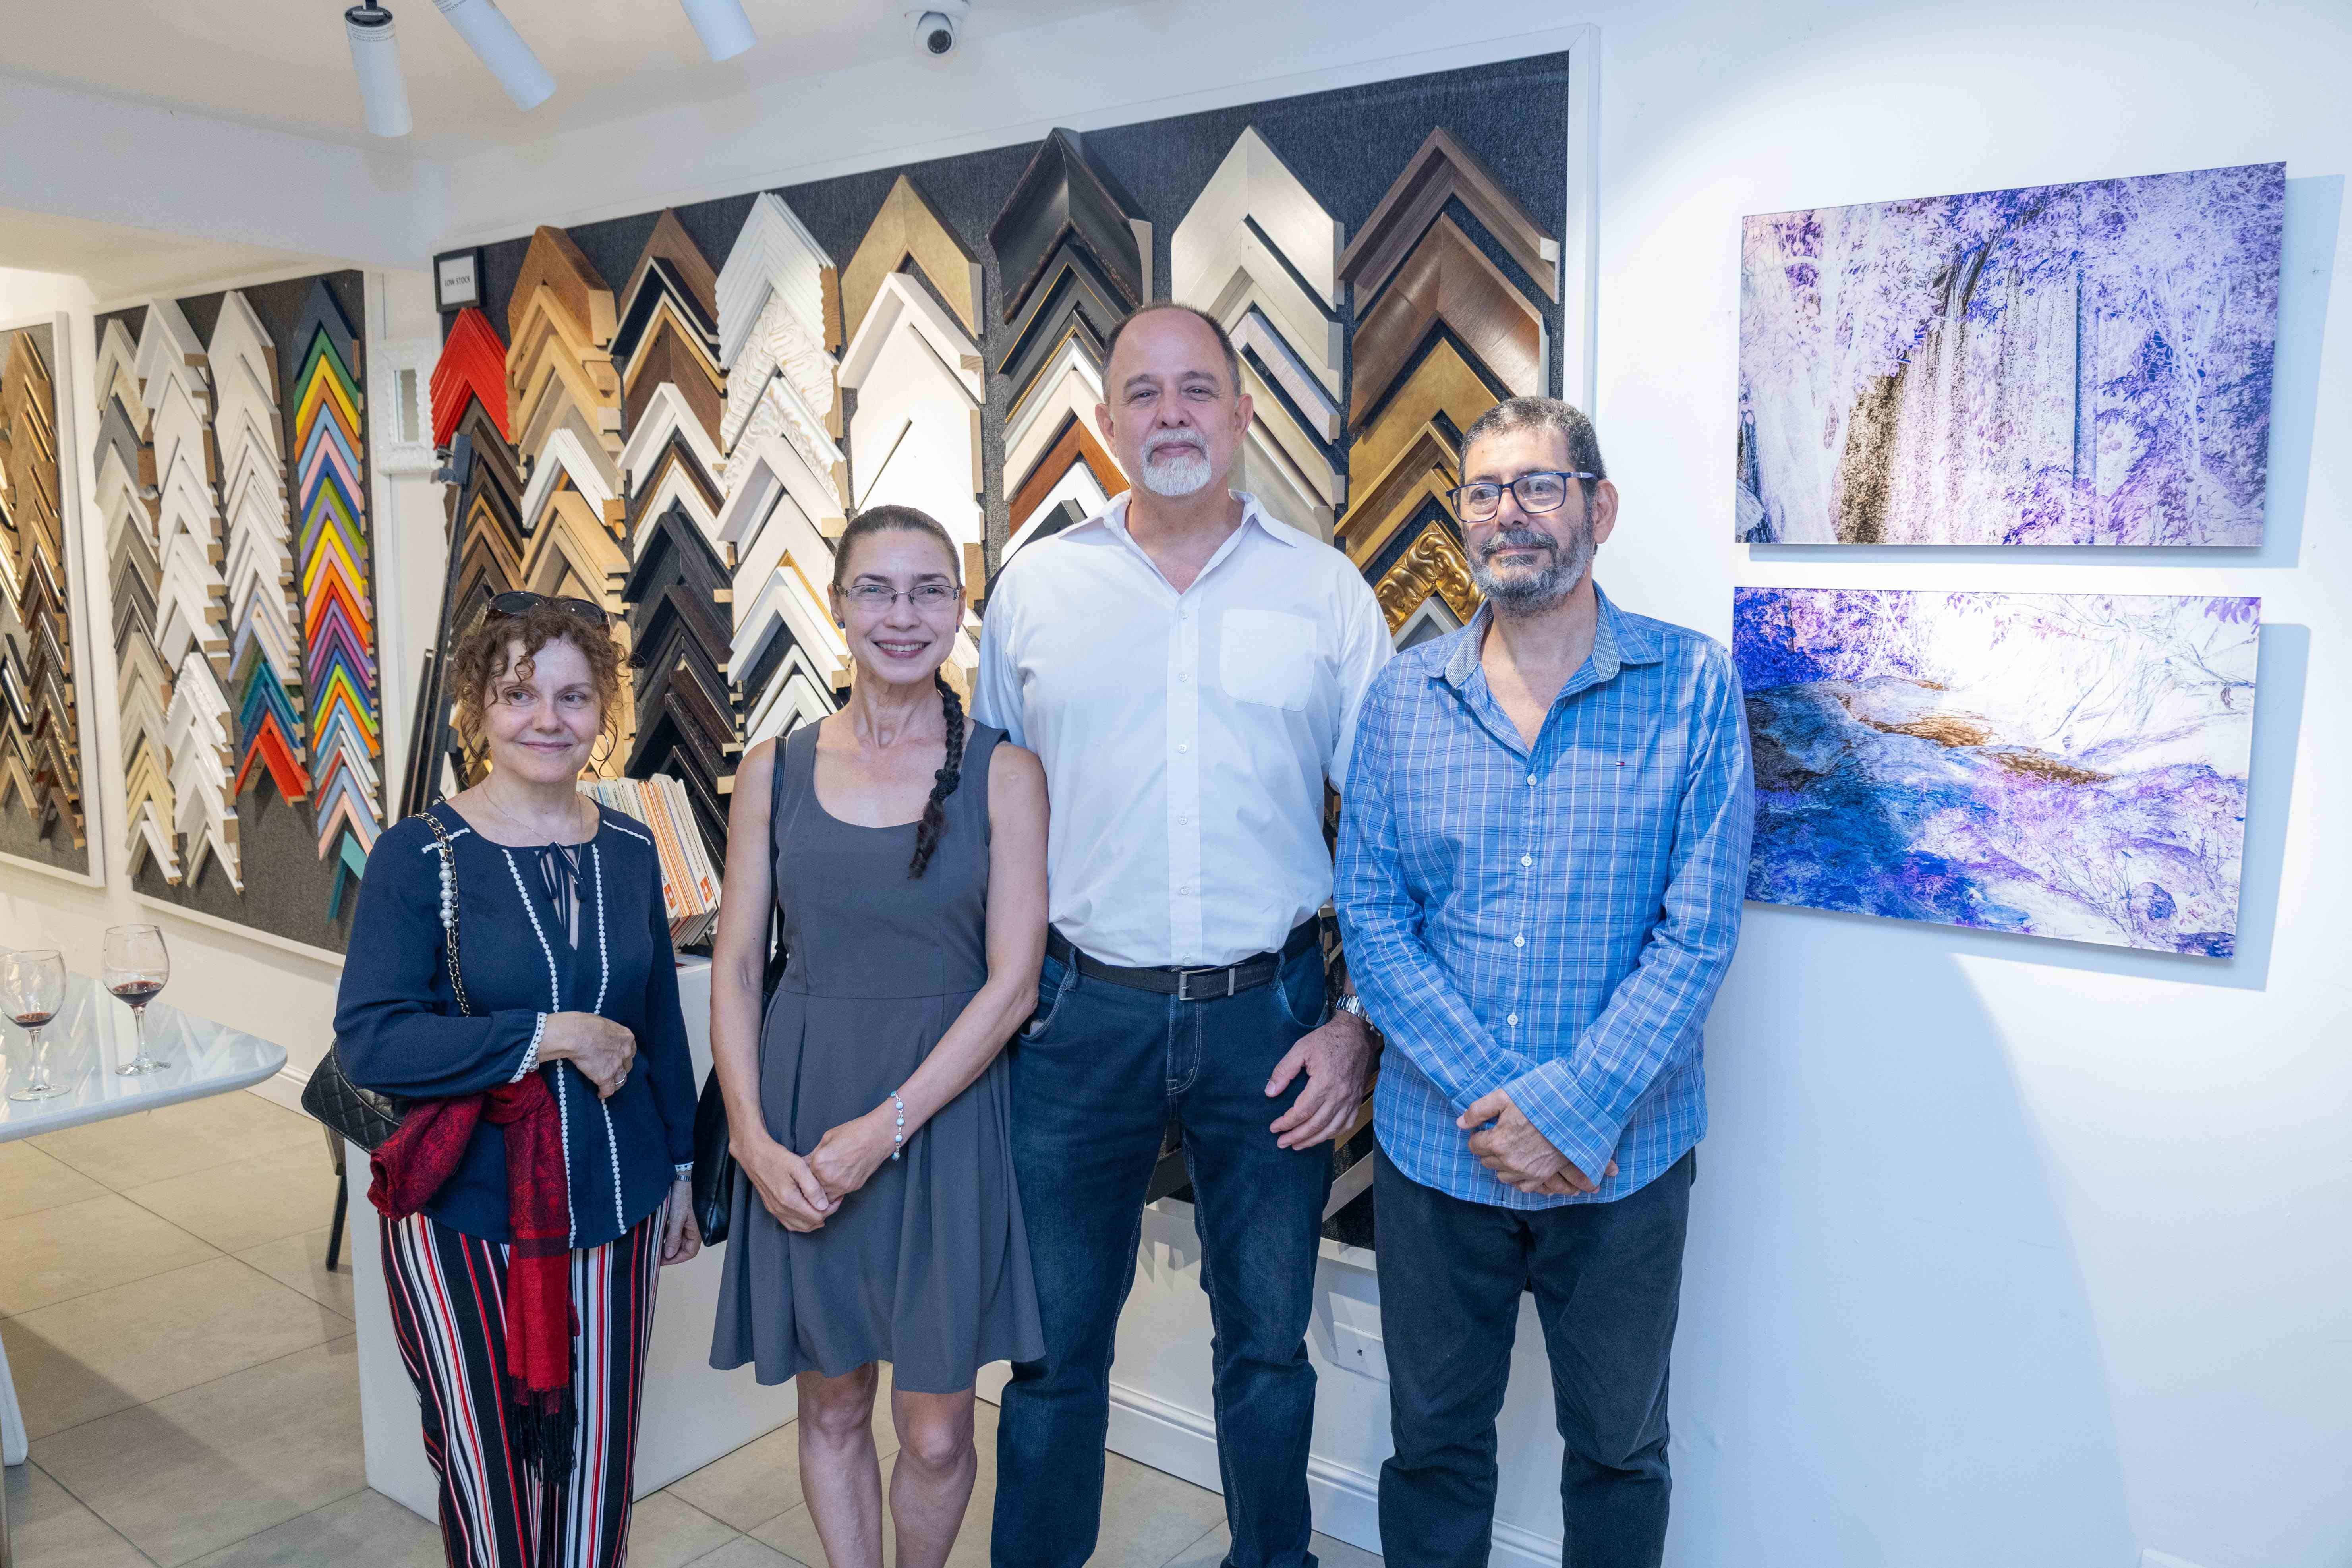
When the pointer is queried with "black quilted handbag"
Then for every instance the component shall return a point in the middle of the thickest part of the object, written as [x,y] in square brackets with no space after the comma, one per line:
[362,1115]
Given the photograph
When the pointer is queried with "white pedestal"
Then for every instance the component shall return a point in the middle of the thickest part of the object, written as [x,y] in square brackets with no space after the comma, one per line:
[692,1414]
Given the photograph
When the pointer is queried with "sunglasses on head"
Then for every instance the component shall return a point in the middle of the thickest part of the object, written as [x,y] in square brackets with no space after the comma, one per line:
[519,602]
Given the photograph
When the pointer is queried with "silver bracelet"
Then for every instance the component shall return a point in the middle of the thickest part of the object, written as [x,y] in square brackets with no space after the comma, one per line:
[899,1134]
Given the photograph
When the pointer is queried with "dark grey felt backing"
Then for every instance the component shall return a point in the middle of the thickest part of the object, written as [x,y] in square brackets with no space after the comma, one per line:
[20,830]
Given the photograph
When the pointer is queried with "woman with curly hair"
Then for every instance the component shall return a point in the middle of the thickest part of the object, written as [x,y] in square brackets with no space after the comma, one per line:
[537,1181]
[876,1218]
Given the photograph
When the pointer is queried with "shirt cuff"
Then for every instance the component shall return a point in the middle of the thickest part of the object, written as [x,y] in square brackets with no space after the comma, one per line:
[1550,1099]
[685,1169]
[531,1052]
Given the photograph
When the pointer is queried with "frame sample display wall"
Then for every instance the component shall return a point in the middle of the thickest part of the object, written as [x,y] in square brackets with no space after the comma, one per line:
[675,414]
[2060,364]
[233,497]
[2052,764]
[45,806]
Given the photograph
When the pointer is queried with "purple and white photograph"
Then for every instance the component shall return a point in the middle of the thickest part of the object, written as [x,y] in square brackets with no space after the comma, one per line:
[2066,766]
[2050,365]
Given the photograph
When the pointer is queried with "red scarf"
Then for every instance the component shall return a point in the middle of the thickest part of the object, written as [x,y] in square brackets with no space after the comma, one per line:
[415,1162]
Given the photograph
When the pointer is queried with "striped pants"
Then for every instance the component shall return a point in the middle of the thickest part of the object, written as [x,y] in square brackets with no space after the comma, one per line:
[449,1312]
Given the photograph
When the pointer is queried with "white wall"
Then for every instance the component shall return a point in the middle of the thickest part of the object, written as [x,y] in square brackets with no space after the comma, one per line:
[24,294]
[2003,1251]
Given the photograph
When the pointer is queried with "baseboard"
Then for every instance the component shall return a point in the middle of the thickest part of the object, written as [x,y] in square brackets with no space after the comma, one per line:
[1346,1501]
[285,1088]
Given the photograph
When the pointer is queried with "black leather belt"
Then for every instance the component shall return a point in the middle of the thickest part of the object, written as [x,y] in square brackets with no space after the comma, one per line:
[1187,984]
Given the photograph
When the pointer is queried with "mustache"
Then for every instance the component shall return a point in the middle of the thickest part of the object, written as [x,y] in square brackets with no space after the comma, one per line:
[1192,438]
[1517,538]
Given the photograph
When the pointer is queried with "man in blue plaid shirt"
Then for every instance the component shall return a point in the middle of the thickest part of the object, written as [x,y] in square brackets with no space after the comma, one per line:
[1541,860]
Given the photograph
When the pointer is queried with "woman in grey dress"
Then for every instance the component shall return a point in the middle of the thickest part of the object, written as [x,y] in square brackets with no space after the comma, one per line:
[876,1217]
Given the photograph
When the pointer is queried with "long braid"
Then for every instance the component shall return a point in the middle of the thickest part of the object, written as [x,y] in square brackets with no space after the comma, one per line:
[944,781]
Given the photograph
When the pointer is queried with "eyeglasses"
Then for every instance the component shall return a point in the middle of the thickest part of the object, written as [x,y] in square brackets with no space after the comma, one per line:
[1537,492]
[922,595]
[519,603]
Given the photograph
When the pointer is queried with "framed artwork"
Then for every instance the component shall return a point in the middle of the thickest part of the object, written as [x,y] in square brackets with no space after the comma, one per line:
[2058,364]
[49,803]
[2067,766]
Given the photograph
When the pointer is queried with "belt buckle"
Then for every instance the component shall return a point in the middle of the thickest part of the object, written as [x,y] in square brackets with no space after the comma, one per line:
[1184,984]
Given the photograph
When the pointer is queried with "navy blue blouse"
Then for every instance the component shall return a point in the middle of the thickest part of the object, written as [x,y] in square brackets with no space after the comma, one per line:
[398,1029]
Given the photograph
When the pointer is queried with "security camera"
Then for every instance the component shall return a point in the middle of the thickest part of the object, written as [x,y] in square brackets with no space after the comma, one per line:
[936,23]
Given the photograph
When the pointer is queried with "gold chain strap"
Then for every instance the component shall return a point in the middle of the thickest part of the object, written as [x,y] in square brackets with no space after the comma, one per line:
[449,906]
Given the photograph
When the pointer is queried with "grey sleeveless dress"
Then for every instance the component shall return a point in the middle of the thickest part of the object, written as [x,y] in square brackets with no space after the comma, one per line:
[927,1266]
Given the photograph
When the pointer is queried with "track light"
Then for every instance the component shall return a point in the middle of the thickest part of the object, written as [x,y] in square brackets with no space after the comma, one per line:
[375,60]
[725,31]
[492,37]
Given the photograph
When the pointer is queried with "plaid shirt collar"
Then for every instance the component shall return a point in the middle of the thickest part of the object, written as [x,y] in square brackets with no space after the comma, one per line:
[1618,641]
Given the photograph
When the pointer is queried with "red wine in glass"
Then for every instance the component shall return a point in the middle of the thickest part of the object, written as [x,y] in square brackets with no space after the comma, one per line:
[32,989]
[135,967]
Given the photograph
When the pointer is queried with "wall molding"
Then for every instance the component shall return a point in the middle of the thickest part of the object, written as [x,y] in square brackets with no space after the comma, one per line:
[1345,1501]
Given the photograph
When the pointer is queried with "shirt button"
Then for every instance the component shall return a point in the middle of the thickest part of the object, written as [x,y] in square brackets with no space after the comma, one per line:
[1518,942]
[1187,891]
[1183,821]
[1527,860]
[1531,778]
[1512,1020]
[1182,748]
[1180,679]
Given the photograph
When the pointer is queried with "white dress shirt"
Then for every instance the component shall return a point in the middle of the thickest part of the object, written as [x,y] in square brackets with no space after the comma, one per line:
[1186,737]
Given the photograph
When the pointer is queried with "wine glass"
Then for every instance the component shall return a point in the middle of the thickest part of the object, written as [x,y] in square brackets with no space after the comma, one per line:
[135,967]
[32,987]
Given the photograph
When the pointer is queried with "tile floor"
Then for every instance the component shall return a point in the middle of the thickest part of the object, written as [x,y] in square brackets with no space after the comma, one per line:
[185,1366]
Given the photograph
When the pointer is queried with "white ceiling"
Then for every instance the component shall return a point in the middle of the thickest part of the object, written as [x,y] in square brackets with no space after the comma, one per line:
[285,62]
[119,262]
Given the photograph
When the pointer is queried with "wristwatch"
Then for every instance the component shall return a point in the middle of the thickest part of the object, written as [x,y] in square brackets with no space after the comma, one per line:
[1353,1005]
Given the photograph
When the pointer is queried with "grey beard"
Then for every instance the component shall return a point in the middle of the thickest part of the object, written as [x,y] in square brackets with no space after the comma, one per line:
[1525,593]
[1178,477]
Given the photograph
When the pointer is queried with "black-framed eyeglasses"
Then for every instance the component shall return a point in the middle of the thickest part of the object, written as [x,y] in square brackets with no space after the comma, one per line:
[519,602]
[1539,492]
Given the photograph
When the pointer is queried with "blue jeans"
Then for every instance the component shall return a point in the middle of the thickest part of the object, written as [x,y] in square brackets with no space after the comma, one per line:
[1096,1076]
[1607,1279]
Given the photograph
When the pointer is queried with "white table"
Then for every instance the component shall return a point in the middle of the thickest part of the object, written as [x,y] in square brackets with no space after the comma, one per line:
[89,1037]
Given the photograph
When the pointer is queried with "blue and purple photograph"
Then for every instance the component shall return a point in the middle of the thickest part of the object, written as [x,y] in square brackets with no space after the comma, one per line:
[2057,364]
[2063,765]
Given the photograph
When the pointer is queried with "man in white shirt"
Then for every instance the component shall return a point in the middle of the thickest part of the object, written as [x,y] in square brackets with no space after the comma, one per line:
[1189,670]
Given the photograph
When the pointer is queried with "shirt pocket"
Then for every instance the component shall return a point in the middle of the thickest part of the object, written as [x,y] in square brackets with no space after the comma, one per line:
[1266,656]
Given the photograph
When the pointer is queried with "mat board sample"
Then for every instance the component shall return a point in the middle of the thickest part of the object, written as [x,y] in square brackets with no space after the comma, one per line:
[2056,364]
[2051,764]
